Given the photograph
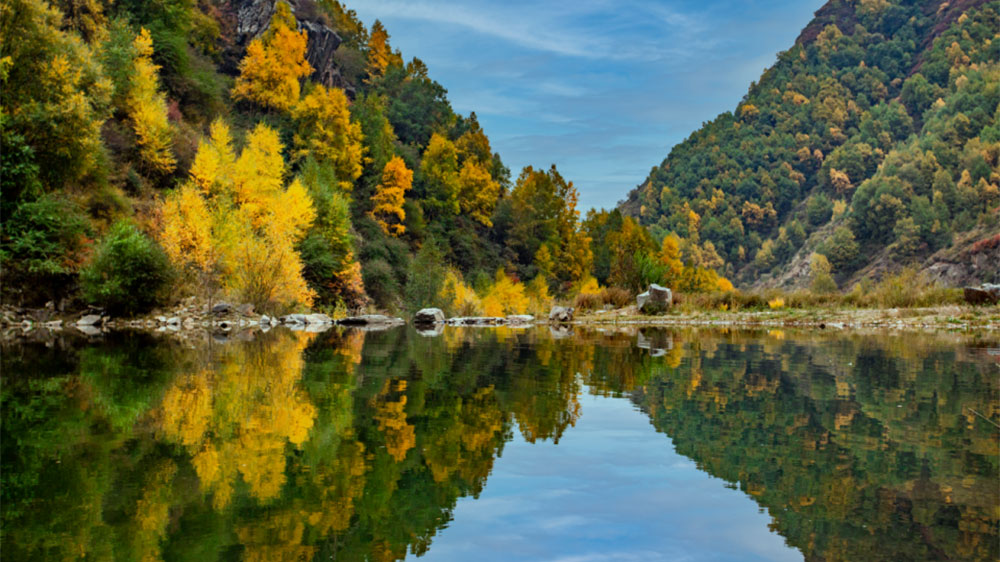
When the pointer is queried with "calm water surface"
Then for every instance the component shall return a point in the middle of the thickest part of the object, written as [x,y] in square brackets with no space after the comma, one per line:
[496,444]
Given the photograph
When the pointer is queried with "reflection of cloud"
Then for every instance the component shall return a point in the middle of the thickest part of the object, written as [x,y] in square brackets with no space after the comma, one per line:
[613,489]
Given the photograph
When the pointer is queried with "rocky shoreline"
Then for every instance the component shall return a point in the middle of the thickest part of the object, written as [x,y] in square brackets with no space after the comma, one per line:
[223,319]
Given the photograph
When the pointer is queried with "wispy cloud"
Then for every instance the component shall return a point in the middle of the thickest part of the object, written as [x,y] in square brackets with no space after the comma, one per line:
[577,29]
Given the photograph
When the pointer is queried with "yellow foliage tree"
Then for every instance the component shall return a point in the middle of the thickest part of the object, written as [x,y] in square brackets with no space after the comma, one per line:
[274,64]
[325,131]
[670,256]
[505,297]
[458,297]
[539,300]
[147,108]
[389,196]
[380,55]
[477,191]
[244,229]
[439,168]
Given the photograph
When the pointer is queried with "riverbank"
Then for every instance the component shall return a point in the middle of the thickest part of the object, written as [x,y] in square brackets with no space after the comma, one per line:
[950,317]
[223,319]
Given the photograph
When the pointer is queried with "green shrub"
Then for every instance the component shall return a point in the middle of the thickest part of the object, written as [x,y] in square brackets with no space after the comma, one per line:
[41,243]
[129,273]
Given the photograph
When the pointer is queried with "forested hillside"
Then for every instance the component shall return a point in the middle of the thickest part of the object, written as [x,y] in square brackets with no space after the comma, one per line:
[872,142]
[277,153]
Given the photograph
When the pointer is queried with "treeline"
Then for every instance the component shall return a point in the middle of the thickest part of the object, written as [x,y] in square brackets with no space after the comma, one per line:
[874,138]
[143,161]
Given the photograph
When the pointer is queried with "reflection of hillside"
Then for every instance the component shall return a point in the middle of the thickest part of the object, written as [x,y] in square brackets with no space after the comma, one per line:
[349,445]
[855,447]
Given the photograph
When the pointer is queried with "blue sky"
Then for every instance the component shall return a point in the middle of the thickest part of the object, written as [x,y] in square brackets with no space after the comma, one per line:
[601,88]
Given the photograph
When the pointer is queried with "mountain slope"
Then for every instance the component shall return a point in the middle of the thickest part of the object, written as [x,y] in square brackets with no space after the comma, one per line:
[874,140]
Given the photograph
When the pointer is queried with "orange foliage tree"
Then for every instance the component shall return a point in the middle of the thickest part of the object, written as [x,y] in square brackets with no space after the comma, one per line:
[389,196]
[274,64]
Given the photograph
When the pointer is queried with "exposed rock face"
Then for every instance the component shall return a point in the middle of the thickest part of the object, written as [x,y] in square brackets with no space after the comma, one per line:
[252,18]
[655,301]
[428,316]
[983,294]
[561,314]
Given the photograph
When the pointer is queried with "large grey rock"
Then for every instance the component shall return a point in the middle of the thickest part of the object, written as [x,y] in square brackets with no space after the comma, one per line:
[561,314]
[295,319]
[89,320]
[986,293]
[318,319]
[656,300]
[427,316]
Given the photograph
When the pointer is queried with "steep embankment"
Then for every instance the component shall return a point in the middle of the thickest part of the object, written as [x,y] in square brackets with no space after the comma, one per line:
[874,141]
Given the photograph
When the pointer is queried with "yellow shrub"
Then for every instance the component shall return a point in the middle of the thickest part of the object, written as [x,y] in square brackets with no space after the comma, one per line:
[776,303]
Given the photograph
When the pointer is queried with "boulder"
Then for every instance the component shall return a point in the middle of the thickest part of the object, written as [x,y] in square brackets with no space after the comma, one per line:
[427,316]
[245,309]
[173,321]
[294,320]
[318,319]
[561,314]
[656,300]
[89,320]
[986,293]
[265,320]
[222,308]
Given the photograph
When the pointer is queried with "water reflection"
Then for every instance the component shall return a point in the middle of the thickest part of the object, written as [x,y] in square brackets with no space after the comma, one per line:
[349,445]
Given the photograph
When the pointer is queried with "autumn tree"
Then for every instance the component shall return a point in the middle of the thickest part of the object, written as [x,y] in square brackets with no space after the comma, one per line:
[380,55]
[439,170]
[542,210]
[147,109]
[274,64]
[55,96]
[389,196]
[236,221]
[325,131]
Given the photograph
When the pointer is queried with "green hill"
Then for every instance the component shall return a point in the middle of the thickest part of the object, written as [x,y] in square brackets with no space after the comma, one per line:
[874,140]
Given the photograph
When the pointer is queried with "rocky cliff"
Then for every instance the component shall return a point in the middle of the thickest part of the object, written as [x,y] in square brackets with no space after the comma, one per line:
[250,18]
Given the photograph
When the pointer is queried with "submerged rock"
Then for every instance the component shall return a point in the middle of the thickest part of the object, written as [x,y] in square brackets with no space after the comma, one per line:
[655,300]
[520,319]
[429,316]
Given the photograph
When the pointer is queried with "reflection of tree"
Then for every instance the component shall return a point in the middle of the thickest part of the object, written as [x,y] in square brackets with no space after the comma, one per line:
[243,411]
[358,446]
[859,449]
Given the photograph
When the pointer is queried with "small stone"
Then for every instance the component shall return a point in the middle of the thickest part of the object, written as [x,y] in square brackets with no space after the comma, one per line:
[222,308]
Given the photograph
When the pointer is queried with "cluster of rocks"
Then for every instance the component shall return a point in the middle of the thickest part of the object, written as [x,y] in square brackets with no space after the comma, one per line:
[987,294]
[435,316]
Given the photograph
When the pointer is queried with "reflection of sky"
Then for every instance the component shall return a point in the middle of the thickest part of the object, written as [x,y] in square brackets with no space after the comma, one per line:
[602,88]
[612,489]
